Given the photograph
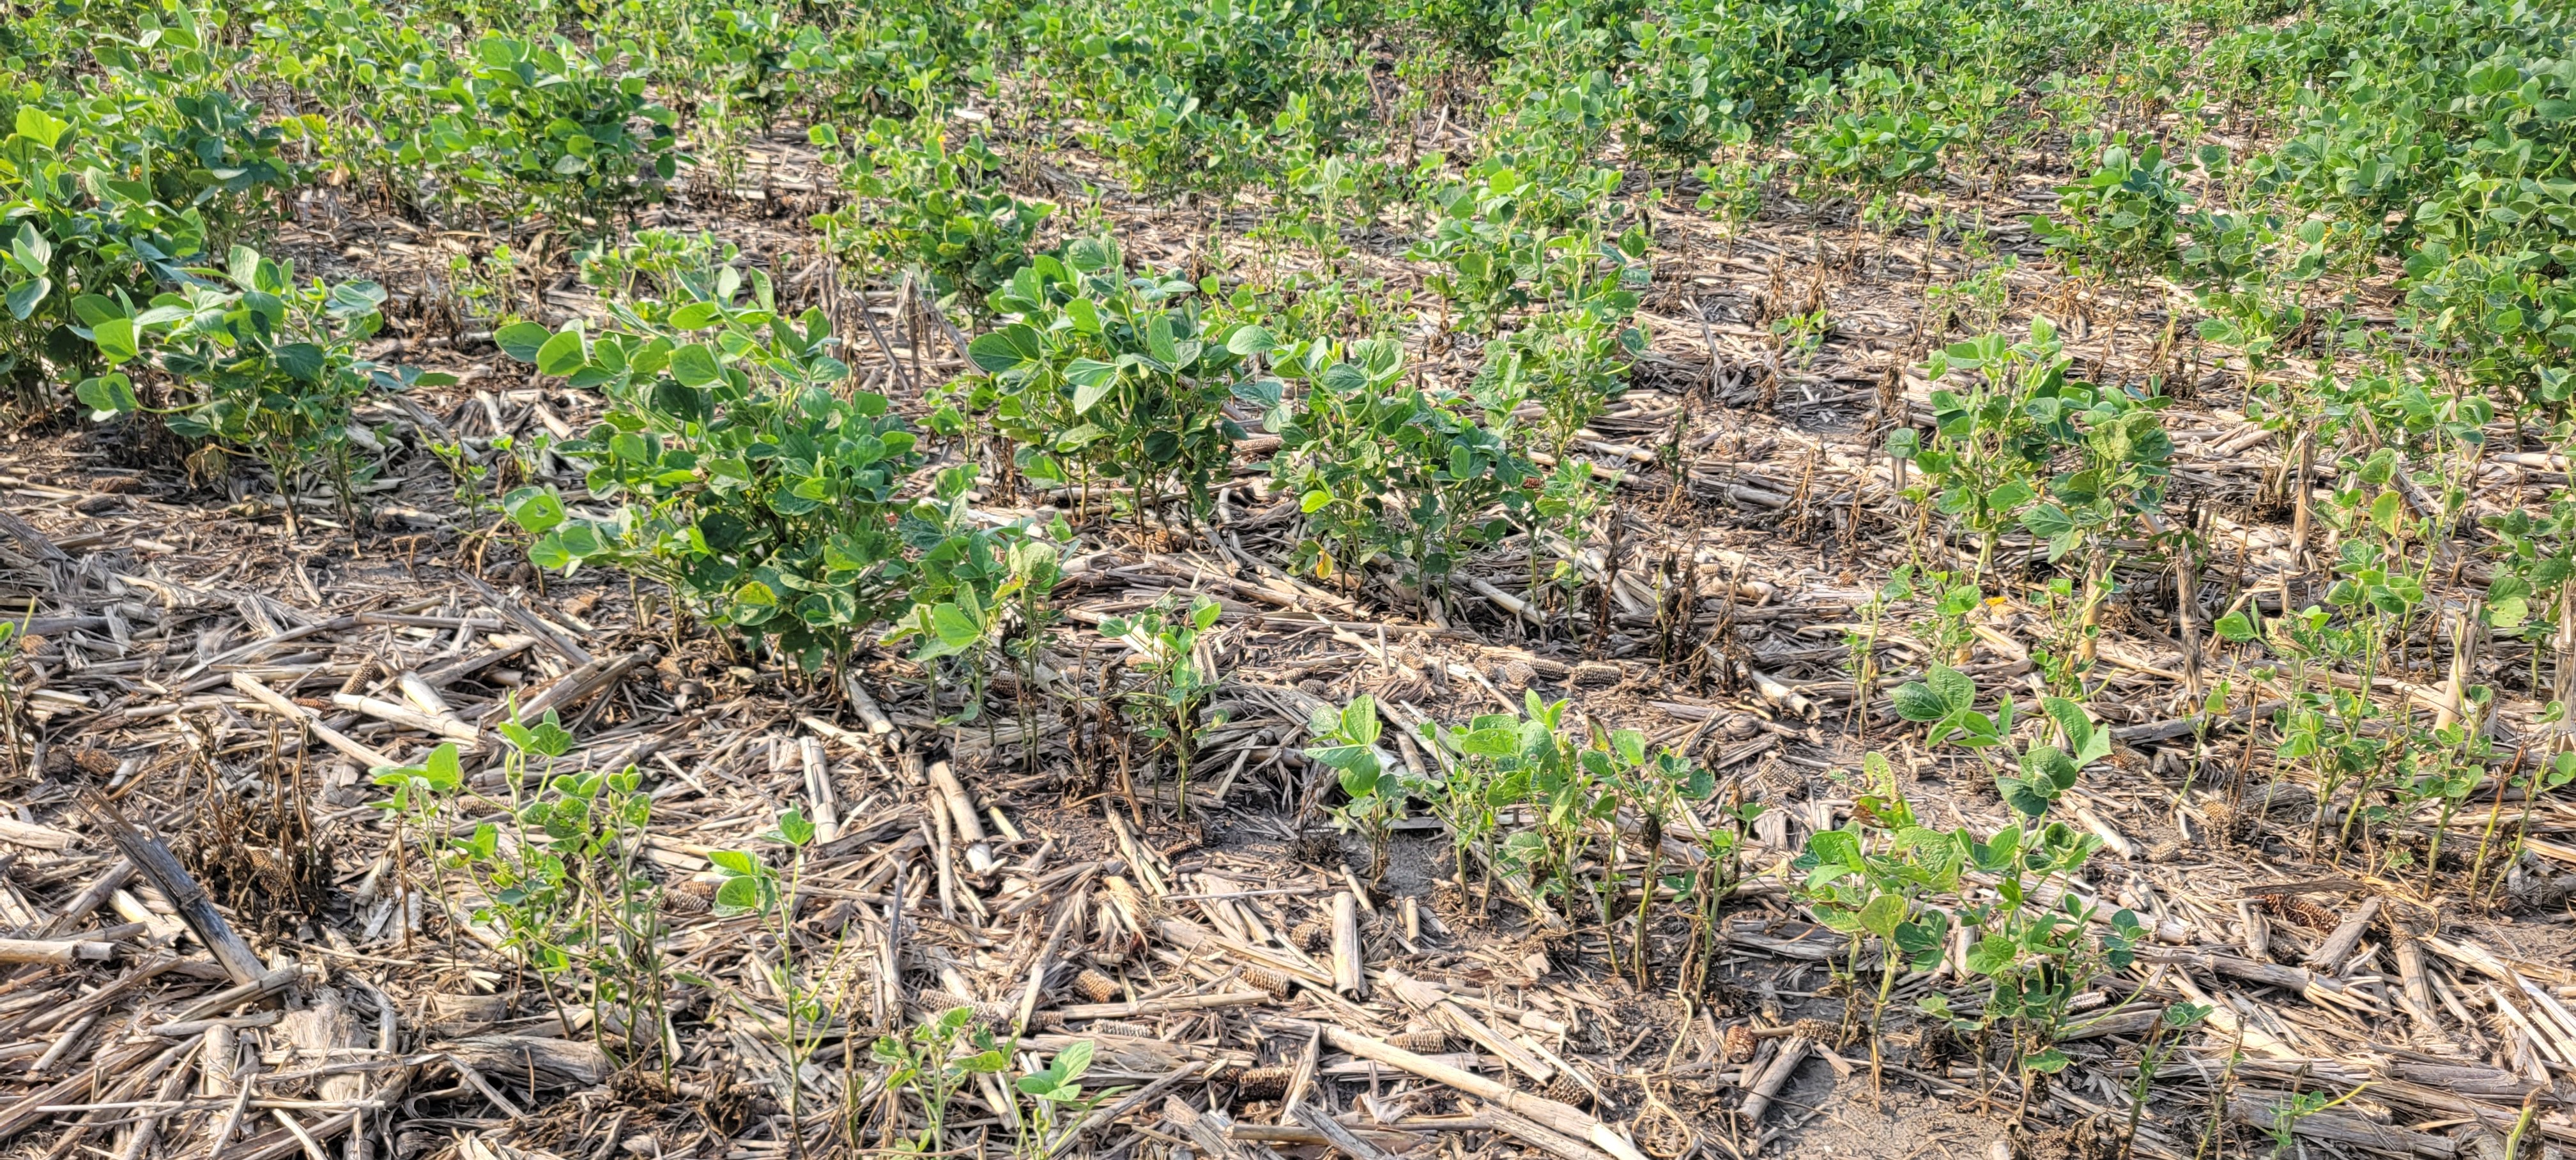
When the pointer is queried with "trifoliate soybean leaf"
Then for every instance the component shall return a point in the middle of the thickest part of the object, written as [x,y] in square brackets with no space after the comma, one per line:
[521,340]
[242,266]
[1250,340]
[115,339]
[682,402]
[1090,255]
[1915,701]
[25,296]
[2022,795]
[2046,519]
[1085,372]
[954,627]
[2387,511]
[1088,395]
[1881,914]
[1359,720]
[549,552]
[1923,935]
[40,127]
[32,248]
[2070,720]
[354,299]
[442,770]
[1992,954]
[695,366]
[535,509]
[2049,769]
[1837,848]
[93,309]
[738,895]
[1158,340]
[302,361]
[1493,742]
[561,355]
[107,396]
[1073,1061]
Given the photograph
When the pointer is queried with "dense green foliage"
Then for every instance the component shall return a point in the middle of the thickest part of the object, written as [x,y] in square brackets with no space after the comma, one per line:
[751,480]
[257,362]
[112,181]
[1102,375]
[2431,137]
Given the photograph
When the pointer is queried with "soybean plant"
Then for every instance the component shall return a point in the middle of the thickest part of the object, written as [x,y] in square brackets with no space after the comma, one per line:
[1377,795]
[1873,878]
[752,887]
[563,889]
[1179,679]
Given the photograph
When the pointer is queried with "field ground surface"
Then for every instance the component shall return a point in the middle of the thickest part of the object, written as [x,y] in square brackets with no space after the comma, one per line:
[1143,579]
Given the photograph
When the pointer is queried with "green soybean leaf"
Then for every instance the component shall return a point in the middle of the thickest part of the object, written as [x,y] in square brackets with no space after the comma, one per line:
[27,295]
[695,366]
[1917,702]
[521,340]
[1089,394]
[561,355]
[1881,914]
[107,396]
[115,339]
[31,249]
[1250,340]
[738,895]
[1952,686]
[953,625]
[535,509]
[41,127]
